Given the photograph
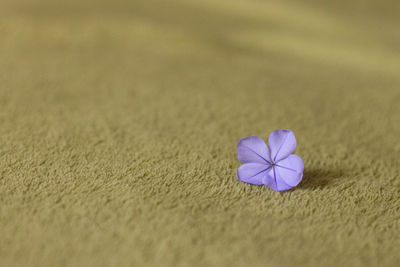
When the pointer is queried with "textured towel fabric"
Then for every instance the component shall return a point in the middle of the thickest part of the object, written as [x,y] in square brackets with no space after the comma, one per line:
[119,122]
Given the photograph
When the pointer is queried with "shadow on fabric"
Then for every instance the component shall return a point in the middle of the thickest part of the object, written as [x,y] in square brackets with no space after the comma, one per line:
[320,178]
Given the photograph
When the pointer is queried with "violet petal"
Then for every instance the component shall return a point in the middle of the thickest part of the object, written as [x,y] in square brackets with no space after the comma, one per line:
[290,170]
[269,180]
[282,143]
[253,149]
[253,173]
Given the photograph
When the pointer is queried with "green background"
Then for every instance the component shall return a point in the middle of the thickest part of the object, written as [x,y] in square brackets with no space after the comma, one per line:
[119,122]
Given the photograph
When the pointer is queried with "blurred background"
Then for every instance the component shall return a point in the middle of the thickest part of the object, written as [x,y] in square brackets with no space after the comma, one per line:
[119,122]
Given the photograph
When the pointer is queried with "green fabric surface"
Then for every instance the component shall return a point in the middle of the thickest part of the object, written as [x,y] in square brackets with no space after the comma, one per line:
[119,122]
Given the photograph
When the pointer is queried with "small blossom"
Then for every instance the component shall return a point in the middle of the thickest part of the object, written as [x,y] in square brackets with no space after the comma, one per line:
[276,166]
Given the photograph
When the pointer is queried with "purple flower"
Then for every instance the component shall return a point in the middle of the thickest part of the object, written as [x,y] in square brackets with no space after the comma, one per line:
[276,166]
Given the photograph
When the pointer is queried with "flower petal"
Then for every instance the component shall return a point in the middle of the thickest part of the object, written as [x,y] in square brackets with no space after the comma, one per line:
[282,143]
[252,173]
[290,170]
[253,149]
[269,180]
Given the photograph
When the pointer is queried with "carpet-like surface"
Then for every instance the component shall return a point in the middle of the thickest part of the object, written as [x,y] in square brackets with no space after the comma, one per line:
[119,122]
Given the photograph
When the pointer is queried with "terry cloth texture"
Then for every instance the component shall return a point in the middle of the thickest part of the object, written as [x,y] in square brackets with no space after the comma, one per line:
[119,122]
